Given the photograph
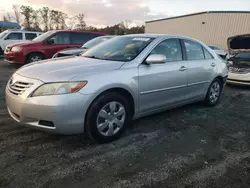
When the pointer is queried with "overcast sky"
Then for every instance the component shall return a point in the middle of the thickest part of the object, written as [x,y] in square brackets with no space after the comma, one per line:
[109,12]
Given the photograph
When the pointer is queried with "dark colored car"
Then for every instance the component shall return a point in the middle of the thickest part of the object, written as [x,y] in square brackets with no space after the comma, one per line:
[46,45]
[84,48]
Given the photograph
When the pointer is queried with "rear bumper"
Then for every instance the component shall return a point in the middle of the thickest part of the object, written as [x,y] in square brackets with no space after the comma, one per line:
[14,57]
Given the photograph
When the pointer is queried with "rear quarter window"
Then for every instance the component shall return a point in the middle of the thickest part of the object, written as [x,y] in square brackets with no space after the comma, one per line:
[30,36]
[79,38]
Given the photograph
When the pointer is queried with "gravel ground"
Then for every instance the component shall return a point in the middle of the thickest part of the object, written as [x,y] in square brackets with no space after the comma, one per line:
[192,146]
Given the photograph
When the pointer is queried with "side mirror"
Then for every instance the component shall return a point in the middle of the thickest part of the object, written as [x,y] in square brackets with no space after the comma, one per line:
[50,41]
[156,59]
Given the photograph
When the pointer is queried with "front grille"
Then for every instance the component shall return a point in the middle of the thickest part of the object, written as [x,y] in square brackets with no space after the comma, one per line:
[18,87]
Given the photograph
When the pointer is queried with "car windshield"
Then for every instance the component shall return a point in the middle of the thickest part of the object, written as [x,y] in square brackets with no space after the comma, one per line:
[214,48]
[124,48]
[3,34]
[94,42]
[243,55]
[43,36]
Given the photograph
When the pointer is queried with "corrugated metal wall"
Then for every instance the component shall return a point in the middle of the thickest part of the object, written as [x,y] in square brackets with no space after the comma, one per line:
[217,28]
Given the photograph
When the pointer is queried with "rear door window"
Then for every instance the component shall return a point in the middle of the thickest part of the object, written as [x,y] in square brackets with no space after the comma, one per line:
[14,36]
[194,50]
[243,55]
[30,36]
[79,38]
[61,38]
[207,54]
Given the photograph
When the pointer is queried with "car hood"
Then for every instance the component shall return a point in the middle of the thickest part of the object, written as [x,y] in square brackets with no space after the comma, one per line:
[238,44]
[22,44]
[64,69]
[72,51]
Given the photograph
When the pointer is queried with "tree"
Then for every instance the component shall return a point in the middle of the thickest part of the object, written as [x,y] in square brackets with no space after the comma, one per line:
[45,15]
[62,20]
[35,24]
[81,23]
[27,12]
[16,9]
[72,22]
[7,17]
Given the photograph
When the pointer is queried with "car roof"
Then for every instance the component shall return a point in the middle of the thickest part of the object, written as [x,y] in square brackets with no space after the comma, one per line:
[23,31]
[79,31]
[161,36]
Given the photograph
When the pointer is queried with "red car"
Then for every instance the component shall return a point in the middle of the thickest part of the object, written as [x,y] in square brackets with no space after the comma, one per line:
[46,45]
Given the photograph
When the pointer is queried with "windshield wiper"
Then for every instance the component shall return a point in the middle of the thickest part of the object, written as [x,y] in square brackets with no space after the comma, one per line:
[93,57]
[84,47]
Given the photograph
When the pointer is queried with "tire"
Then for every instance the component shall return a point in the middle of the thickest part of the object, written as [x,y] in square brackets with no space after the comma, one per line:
[213,93]
[1,51]
[34,57]
[95,118]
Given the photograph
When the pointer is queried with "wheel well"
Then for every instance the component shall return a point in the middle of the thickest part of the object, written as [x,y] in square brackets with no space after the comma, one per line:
[220,78]
[126,94]
[31,53]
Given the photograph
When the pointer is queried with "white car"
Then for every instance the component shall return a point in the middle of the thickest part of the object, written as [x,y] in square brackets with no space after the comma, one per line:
[14,36]
[218,51]
[239,62]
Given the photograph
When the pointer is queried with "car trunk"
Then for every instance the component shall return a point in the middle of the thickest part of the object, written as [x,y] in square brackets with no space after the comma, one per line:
[237,45]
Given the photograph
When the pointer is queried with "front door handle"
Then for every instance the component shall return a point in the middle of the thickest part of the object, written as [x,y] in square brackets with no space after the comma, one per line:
[183,68]
[213,65]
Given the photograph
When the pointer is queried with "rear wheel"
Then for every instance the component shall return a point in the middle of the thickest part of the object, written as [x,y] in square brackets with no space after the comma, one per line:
[213,93]
[34,57]
[108,117]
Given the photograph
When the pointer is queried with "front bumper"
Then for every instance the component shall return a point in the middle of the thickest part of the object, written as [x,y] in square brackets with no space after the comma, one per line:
[238,79]
[14,57]
[62,114]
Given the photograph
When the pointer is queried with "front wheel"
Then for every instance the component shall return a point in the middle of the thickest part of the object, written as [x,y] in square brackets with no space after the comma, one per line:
[34,57]
[1,51]
[108,117]
[213,93]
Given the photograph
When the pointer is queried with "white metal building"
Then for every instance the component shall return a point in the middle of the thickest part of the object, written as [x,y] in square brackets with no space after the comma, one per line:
[212,27]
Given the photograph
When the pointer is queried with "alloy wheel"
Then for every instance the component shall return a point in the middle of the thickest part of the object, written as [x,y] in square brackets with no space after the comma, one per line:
[214,92]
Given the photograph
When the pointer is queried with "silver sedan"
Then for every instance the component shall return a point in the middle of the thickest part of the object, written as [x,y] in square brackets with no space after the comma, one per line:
[122,79]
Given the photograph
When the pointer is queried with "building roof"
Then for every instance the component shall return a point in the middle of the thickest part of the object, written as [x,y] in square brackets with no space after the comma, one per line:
[10,25]
[198,13]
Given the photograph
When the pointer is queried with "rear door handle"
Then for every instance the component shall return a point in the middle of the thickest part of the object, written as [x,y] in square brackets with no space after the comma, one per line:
[183,68]
[213,65]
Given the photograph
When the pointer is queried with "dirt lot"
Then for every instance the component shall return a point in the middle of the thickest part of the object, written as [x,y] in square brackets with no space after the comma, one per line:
[192,146]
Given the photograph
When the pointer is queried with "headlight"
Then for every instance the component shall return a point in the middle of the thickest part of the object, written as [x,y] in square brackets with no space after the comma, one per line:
[59,88]
[16,49]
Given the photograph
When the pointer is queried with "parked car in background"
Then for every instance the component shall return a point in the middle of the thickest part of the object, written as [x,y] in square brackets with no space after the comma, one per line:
[239,62]
[218,51]
[121,79]
[46,45]
[14,36]
[77,51]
